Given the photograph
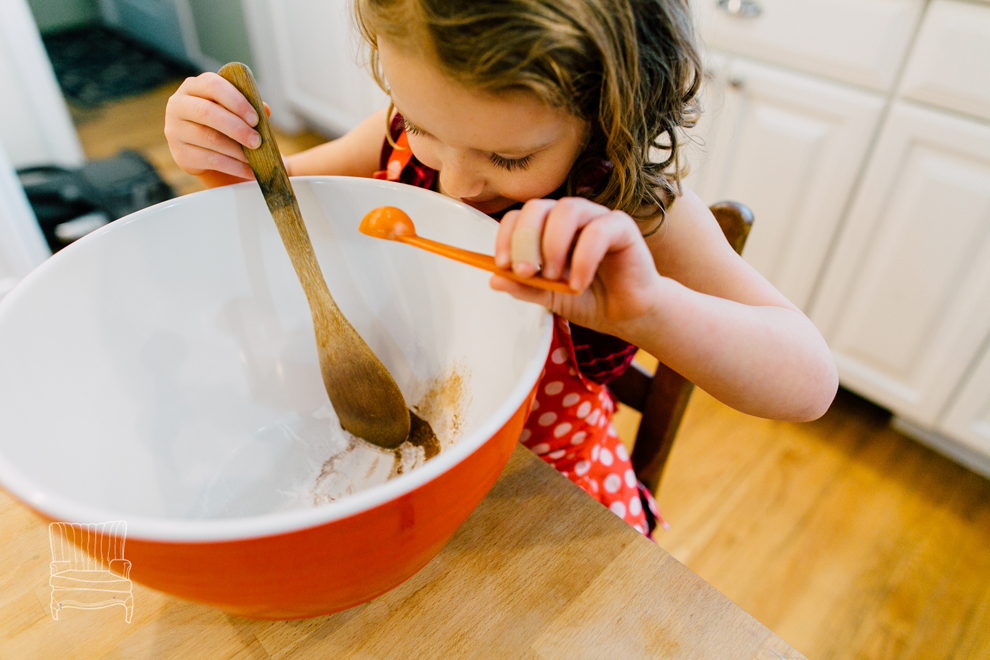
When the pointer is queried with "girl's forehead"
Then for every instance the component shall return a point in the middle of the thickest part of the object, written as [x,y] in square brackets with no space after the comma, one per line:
[510,122]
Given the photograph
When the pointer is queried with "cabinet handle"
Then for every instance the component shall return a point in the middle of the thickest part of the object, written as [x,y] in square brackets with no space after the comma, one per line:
[741,8]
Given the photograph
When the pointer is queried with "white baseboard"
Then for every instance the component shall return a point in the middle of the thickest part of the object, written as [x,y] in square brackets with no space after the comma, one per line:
[946,446]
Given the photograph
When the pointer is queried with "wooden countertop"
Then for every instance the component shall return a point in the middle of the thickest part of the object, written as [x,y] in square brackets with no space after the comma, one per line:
[539,570]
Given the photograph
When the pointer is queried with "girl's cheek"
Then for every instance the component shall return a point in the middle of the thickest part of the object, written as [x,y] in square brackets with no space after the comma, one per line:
[424,152]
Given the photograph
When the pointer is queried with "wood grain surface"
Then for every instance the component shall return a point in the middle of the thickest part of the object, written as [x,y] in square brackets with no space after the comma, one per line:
[539,570]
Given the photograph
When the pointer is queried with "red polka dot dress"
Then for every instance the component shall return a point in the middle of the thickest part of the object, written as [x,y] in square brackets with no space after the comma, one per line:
[570,425]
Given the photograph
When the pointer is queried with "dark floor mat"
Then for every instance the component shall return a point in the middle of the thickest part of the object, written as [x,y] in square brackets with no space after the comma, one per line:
[95,65]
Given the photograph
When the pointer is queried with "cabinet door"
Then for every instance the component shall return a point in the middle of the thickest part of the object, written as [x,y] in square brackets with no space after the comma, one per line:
[319,54]
[905,301]
[968,420]
[950,62]
[789,146]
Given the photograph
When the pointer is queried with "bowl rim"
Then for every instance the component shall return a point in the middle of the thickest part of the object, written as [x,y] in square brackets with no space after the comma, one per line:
[148,528]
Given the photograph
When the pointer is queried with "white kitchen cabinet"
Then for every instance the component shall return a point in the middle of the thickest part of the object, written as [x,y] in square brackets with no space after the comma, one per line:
[319,56]
[861,42]
[950,64]
[905,301]
[789,146]
[968,420]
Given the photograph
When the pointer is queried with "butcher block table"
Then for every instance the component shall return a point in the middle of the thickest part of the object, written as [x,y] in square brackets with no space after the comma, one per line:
[539,570]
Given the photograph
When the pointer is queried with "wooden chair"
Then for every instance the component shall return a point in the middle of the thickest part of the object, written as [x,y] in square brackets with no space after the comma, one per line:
[662,397]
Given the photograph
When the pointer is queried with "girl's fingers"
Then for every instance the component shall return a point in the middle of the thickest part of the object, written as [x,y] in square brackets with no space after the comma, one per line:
[560,231]
[503,240]
[203,111]
[211,139]
[522,292]
[613,232]
[526,252]
[197,160]
[220,90]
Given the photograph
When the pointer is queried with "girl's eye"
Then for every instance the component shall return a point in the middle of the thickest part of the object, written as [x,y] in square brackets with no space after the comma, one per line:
[511,163]
[410,129]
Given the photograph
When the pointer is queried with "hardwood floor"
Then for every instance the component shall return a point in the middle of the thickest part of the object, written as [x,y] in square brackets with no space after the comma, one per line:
[847,539]
[844,537]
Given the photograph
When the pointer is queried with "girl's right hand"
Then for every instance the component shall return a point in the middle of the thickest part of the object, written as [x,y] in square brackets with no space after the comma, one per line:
[207,121]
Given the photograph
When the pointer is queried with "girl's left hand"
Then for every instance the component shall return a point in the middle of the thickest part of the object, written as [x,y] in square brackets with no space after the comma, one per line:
[600,252]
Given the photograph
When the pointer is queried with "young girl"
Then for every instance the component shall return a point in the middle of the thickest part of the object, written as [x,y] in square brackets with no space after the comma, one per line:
[549,115]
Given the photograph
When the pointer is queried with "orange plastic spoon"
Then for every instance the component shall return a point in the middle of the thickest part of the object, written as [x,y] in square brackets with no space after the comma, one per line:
[394,224]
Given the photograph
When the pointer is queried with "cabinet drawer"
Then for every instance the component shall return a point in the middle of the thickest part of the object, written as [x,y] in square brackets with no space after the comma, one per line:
[861,42]
[950,63]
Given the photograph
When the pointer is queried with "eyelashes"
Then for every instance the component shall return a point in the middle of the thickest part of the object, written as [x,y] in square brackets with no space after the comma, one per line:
[508,164]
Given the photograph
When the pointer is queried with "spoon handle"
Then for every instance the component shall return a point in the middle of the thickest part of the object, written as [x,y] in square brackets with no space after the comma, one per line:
[484,262]
[366,397]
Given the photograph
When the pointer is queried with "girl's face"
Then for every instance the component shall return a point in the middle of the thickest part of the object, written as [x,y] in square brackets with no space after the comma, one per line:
[491,151]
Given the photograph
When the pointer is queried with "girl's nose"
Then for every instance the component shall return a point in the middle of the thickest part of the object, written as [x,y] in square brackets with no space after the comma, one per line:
[459,179]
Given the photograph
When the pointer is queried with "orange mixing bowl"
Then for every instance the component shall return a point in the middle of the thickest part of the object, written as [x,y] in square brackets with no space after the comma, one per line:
[162,371]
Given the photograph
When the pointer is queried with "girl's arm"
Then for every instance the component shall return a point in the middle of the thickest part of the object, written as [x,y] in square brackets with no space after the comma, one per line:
[723,326]
[355,154]
[684,296]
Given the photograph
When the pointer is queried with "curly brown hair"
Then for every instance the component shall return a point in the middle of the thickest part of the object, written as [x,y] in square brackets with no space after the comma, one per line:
[631,68]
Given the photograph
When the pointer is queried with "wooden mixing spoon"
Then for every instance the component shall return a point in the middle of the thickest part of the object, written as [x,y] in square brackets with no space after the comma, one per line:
[364,394]
[394,224]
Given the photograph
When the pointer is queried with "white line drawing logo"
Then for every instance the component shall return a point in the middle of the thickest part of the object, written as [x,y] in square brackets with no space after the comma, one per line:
[88,566]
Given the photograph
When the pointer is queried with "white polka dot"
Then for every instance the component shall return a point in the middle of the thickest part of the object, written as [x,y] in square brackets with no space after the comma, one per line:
[571,399]
[630,478]
[593,417]
[564,473]
[582,468]
[612,432]
[635,506]
[583,410]
[594,452]
[541,449]
[555,455]
[554,388]
[536,404]
[578,437]
[570,456]
[605,457]
[613,483]
[639,528]
[594,485]
[561,429]
[618,508]
[602,422]
[524,436]
[622,452]
[559,356]
[547,418]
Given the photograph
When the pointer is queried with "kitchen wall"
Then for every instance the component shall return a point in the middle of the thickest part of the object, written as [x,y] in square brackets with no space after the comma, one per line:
[54,15]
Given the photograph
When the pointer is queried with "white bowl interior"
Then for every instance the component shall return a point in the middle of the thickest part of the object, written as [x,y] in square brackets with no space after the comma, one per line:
[165,368]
